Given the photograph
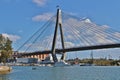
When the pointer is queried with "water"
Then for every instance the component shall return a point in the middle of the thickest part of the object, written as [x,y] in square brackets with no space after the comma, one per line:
[63,73]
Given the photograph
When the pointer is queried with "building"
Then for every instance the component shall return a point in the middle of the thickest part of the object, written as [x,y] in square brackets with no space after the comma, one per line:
[40,57]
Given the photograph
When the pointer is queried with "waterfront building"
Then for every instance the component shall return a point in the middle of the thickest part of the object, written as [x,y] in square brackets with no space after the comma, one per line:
[40,57]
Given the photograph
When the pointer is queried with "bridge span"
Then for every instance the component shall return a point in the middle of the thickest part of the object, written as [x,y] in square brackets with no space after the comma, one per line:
[58,51]
[66,33]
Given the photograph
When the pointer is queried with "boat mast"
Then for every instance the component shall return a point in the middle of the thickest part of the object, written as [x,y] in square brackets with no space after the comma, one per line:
[91,57]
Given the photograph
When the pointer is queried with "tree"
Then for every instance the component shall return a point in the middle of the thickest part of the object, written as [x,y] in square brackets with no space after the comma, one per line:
[5,48]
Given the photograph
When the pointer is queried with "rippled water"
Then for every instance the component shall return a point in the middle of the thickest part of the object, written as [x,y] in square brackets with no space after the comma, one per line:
[63,73]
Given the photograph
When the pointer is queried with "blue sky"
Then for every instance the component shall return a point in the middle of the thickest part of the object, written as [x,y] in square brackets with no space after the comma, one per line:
[18,18]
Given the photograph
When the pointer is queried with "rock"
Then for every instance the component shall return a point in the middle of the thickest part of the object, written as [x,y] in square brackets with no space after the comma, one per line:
[5,69]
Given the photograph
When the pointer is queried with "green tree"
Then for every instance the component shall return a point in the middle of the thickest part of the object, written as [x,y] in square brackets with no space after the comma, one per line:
[5,48]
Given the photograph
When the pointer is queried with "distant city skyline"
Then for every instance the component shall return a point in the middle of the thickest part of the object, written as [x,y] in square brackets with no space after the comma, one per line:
[19,19]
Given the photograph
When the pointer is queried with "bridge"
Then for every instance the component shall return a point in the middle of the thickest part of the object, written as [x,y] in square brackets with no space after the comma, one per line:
[65,33]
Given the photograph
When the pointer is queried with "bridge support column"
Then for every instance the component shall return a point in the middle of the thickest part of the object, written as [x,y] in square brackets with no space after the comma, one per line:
[62,40]
[58,24]
[55,37]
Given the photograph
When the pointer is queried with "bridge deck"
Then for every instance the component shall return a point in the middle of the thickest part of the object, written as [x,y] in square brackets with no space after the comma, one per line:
[74,49]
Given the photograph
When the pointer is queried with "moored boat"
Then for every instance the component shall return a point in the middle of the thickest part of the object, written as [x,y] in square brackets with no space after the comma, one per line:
[61,64]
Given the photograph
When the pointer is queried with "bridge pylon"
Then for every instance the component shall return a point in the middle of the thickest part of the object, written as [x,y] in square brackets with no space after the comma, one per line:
[58,25]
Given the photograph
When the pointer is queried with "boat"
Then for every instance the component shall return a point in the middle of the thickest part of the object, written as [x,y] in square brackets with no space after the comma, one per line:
[86,64]
[5,69]
[61,63]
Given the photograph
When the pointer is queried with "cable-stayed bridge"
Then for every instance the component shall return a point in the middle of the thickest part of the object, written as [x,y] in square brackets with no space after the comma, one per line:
[65,33]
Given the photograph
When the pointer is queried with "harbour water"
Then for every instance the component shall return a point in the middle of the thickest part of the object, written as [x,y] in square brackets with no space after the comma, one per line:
[63,73]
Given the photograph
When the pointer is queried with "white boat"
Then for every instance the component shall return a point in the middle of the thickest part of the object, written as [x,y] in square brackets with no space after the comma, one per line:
[87,64]
[61,64]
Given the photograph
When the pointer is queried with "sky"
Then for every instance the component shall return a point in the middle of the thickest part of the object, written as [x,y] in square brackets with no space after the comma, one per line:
[19,19]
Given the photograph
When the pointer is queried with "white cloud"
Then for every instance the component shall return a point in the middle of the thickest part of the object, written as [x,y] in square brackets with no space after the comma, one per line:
[117,34]
[88,32]
[40,2]
[102,38]
[13,38]
[42,17]
[76,32]
[69,44]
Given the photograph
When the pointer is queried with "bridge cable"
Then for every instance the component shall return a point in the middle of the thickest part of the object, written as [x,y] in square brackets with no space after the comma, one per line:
[81,30]
[96,32]
[41,31]
[40,34]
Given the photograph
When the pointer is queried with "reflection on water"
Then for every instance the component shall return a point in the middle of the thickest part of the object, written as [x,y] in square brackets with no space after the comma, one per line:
[63,73]
[4,77]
